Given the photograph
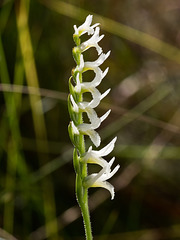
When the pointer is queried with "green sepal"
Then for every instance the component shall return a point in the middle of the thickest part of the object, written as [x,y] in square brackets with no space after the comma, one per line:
[71,87]
[71,134]
[76,161]
[76,39]
[76,54]
[72,90]
[79,189]
[73,115]
[74,137]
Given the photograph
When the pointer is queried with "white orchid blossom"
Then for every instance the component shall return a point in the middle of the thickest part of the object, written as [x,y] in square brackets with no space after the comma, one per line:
[99,179]
[91,156]
[92,42]
[85,27]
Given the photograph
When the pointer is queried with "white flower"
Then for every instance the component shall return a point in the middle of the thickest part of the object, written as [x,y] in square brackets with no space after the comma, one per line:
[85,27]
[92,42]
[92,115]
[88,129]
[92,156]
[99,179]
[85,66]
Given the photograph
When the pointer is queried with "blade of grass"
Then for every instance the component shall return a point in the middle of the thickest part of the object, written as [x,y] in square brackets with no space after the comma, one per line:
[143,39]
[38,118]
[13,152]
[10,119]
[4,15]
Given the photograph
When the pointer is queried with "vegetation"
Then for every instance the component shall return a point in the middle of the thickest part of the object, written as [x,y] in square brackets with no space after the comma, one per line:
[36,176]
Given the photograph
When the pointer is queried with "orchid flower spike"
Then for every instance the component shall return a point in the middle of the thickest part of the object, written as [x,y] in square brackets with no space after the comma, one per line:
[79,107]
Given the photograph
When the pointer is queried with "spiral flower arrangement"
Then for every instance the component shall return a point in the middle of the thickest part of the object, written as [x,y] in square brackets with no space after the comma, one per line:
[78,128]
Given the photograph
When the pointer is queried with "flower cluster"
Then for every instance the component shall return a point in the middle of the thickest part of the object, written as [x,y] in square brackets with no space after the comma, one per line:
[78,107]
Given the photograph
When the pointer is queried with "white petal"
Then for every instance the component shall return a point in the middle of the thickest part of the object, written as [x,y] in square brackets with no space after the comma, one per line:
[105,72]
[101,59]
[94,136]
[107,149]
[88,20]
[111,161]
[105,115]
[92,178]
[91,158]
[95,25]
[108,174]
[105,185]
[105,93]
[93,118]
[96,96]
[98,62]
[98,77]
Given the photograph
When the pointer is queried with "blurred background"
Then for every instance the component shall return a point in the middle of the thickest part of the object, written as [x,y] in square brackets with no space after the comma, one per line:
[37,198]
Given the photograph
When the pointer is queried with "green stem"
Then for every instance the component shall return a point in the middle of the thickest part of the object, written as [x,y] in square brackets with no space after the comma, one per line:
[86,219]
[81,168]
[83,197]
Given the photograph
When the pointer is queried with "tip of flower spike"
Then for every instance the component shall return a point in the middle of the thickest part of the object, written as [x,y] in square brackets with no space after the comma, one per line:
[88,20]
[85,27]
